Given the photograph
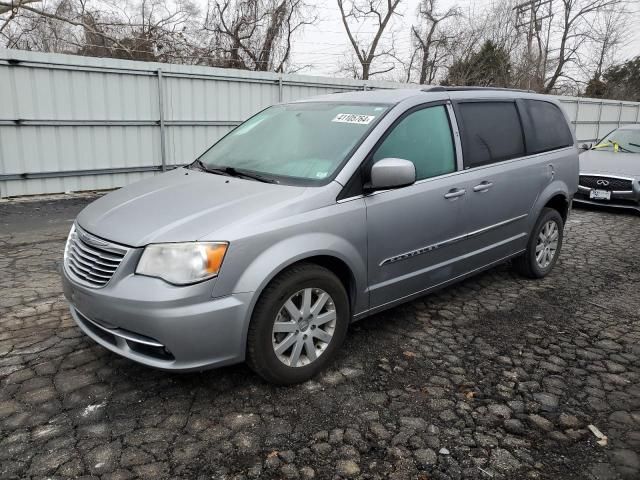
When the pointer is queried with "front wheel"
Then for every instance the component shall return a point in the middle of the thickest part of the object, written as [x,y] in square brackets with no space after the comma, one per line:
[543,247]
[298,324]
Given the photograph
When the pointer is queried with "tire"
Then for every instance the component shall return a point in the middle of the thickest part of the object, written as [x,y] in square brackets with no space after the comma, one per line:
[528,264]
[286,291]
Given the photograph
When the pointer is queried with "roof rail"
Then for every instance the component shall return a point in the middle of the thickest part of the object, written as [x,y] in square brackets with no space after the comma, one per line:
[441,88]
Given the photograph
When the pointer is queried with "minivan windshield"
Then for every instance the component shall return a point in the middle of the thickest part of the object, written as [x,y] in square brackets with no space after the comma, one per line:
[296,143]
[625,140]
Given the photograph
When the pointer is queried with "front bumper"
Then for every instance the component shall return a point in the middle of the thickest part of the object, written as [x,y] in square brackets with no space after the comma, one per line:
[160,325]
[619,199]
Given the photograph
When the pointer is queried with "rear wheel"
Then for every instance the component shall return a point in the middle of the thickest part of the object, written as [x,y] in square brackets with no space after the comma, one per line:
[298,324]
[543,247]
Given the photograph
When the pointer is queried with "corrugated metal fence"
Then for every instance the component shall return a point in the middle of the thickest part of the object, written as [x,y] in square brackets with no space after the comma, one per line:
[70,123]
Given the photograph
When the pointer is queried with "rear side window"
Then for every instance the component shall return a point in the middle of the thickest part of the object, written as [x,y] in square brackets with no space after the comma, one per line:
[491,132]
[423,137]
[549,129]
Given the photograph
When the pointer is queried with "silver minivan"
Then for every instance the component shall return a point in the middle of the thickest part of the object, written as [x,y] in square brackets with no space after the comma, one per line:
[316,213]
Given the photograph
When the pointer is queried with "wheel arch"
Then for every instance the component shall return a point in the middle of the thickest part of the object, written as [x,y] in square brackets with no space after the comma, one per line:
[555,196]
[343,259]
[561,204]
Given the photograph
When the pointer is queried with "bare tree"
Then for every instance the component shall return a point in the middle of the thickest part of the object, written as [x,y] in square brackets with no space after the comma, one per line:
[12,8]
[556,52]
[610,31]
[381,12]
[15,5]
[430,39]
[574,31]
[257,34]
[100,28]
[469,32]
[249,34]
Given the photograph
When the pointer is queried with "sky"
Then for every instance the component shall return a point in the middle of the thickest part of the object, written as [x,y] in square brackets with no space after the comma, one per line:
[325,45]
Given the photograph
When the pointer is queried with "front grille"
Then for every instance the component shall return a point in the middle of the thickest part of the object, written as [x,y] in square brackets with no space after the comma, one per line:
[612,183]
[91,260]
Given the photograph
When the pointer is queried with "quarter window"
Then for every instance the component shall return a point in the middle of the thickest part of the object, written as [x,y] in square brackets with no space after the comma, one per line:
[423,137]
[549,127]
[491,132]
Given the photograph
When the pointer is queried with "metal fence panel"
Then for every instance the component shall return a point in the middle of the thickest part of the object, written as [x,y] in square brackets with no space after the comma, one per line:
[70,123]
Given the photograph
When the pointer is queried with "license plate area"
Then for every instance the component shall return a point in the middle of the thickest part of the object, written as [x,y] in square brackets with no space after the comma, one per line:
[600,194]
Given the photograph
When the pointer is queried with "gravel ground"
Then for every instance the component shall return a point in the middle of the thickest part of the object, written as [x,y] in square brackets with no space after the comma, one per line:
[497,377]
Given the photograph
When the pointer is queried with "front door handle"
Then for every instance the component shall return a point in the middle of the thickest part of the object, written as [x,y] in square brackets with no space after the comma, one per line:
[483,187]
[455,193]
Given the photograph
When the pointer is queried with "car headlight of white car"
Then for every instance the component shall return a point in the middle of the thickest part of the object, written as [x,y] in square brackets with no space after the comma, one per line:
[182,263]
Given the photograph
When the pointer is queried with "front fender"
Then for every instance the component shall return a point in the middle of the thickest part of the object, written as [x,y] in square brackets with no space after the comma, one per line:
[288,251]
[279,256]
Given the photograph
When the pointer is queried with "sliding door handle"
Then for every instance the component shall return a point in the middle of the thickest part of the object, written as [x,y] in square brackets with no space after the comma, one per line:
[483,187]
[455,193]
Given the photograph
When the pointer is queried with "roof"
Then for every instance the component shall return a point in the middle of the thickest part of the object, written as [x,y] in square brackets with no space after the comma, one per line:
[394,96]
[390,96]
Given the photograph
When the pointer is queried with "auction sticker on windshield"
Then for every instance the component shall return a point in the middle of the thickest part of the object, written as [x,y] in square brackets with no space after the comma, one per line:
[353,118]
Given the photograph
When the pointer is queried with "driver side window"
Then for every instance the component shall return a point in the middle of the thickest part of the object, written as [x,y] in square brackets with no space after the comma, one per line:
[423,137]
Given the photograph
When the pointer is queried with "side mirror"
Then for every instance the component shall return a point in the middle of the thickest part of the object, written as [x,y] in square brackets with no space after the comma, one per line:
[586,146]
[392,173]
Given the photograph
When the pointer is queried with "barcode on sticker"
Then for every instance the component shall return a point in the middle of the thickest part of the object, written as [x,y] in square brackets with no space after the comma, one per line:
[353,118]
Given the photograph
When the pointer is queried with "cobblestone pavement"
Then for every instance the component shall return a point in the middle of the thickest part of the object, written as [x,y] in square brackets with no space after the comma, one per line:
[498,377]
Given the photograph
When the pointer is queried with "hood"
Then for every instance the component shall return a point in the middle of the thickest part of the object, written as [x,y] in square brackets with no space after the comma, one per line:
[181,206]
[612,163]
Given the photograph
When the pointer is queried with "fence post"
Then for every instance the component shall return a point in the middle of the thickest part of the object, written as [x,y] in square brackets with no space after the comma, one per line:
[161,110]
[280,88]
[638,113]
[575,121]
[599,120]
[619,114]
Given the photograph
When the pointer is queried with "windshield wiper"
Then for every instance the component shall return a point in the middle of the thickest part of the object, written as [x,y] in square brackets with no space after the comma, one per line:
[233,172]
[242,173]
[200,165]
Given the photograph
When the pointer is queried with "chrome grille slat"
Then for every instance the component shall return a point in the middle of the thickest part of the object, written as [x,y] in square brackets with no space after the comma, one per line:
[92,261]
[87,269]
[92,258]
[80,274]
[87,264]
[100,253]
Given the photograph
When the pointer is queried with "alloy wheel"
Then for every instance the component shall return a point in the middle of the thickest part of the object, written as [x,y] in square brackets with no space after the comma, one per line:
[547,244]
[304,327]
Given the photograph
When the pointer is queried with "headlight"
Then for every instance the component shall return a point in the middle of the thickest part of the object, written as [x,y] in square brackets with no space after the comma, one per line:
[182,263]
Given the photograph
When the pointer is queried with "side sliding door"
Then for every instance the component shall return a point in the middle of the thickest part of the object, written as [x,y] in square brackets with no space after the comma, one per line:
[502,180]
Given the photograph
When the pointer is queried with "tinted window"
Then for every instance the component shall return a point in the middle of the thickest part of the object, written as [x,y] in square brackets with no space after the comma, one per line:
[423,137]
[491,132]
[549,127]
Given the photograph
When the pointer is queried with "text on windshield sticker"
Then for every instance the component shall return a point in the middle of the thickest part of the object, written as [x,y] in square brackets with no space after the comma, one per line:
[353,118]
